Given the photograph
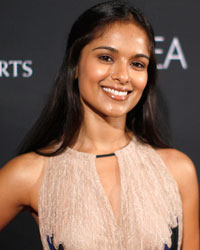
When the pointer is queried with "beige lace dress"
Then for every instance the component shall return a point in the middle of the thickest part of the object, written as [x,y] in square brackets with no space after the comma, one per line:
[75,213]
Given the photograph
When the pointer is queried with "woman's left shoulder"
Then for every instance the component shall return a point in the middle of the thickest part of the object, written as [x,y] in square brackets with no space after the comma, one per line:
[182,169]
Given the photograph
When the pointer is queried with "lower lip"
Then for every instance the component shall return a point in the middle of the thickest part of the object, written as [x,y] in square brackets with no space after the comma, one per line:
[116,97]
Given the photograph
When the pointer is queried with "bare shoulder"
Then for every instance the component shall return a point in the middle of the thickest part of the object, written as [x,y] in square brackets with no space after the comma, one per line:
[181,167]
[20,181]
[22,172]
[174,158]
[183,170]
[24,166]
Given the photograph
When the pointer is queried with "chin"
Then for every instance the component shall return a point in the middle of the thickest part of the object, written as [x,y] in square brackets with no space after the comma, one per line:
[115,113]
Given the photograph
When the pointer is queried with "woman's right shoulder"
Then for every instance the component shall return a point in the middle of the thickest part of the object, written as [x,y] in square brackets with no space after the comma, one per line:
[20,175]
[26,166]
[19,180]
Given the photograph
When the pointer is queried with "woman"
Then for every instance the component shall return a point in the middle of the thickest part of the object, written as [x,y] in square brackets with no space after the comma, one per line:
[95,170]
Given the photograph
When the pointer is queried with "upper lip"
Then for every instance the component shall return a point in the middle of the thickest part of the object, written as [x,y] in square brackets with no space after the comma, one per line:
[117,88]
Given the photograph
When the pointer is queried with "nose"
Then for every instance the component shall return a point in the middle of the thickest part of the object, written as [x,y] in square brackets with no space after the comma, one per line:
[121,73]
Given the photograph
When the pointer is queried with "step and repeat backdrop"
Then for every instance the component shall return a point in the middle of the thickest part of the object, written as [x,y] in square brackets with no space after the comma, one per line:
[32,43]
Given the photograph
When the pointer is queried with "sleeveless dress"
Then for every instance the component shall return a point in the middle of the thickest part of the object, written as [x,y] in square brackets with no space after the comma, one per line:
[75,213]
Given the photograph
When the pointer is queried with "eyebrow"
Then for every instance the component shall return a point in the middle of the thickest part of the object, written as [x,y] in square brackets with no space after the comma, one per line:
[108,48]
[116,51]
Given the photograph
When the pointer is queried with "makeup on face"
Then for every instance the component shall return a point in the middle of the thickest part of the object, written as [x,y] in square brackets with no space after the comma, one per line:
[112,71]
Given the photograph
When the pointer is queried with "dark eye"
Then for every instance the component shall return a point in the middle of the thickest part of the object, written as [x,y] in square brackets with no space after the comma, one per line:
[138,65]
[105,58]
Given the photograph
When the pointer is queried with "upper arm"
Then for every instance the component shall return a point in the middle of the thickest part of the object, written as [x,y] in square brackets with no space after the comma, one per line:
[17,180]
[183,170]
[189,191]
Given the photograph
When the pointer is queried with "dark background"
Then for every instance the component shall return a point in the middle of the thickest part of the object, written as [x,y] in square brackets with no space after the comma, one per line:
[35,32]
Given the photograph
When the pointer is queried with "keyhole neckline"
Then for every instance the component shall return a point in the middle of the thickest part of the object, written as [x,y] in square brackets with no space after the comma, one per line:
[86,155]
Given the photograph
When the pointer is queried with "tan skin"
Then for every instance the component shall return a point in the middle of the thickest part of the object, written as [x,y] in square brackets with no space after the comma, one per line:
[117,60]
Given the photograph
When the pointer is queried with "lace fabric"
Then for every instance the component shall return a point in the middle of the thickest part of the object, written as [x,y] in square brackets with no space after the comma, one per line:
[74,209]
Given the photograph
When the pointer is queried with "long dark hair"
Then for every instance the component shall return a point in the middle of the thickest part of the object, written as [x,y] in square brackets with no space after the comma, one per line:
[61,118]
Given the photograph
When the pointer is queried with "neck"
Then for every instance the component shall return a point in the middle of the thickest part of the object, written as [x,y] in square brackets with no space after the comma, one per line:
[102,135]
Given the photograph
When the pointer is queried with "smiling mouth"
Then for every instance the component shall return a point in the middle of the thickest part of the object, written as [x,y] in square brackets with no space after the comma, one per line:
[116,92]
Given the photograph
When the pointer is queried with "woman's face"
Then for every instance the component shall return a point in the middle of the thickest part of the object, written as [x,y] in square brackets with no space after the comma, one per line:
[112,70]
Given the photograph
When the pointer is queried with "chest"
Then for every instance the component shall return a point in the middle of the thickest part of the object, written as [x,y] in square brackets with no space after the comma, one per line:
[115,203]
[108,172]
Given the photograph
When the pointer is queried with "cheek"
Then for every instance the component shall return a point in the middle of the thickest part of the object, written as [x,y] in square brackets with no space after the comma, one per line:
[98,73]
[93,71]
[90,75]
[141,82]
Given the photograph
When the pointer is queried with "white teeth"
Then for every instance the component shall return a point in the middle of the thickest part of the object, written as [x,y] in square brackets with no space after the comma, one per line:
[115,92]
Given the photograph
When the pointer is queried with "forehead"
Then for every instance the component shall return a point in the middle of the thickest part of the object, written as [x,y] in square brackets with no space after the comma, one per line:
[123,35]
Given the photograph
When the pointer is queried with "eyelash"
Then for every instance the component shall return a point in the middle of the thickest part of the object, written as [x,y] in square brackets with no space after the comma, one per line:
[138,65]
[107,58]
